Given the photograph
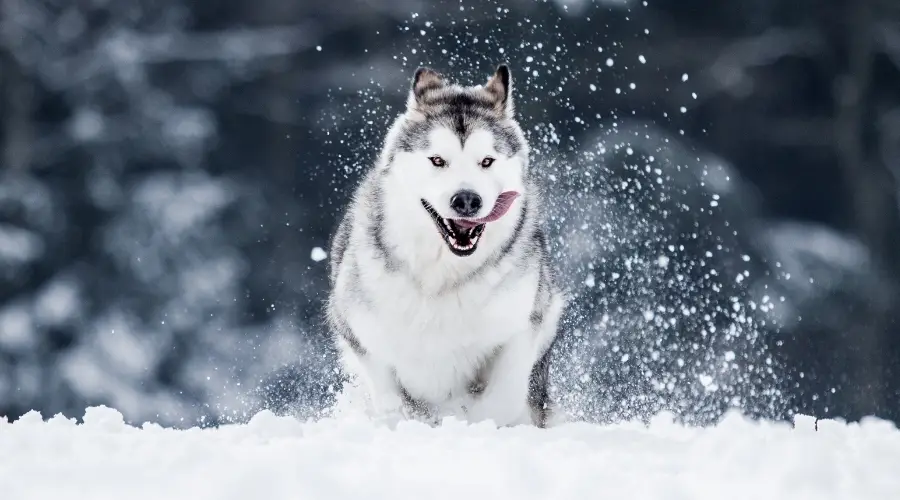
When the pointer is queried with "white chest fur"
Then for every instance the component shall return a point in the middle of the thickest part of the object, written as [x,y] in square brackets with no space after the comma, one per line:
[435,343]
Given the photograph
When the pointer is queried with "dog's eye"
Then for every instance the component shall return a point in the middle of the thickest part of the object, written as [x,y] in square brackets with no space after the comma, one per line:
[487,162]
[437,161]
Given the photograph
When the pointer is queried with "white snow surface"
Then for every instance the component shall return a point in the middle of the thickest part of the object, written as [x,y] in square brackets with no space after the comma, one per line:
[337,458]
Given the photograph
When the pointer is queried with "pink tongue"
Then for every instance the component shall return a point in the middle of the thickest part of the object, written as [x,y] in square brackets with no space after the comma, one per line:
[504,201]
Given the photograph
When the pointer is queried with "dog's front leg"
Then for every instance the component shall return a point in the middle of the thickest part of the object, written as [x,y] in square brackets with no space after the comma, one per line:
[500,391]
[384,394]
[390,399]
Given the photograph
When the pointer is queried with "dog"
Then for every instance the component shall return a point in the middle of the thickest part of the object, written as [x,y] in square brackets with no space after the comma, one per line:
[443,300]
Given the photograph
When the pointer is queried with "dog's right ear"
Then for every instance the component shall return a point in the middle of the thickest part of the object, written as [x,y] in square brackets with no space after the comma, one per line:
[424,80]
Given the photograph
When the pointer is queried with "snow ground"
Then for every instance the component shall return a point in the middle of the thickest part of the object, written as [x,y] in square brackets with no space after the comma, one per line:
[274,458]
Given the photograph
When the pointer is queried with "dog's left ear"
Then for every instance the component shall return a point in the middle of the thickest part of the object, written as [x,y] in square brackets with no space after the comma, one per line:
[500,88]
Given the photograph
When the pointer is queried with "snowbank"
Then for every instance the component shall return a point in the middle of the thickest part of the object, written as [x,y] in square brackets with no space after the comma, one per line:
[274,458]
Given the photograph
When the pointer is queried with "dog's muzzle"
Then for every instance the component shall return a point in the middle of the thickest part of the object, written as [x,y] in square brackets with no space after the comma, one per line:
[462,235]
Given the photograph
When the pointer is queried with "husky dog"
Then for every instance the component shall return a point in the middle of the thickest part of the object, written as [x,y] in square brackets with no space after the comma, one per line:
[443,300]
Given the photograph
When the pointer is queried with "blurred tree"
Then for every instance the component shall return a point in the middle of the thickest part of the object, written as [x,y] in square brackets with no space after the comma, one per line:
[167,168]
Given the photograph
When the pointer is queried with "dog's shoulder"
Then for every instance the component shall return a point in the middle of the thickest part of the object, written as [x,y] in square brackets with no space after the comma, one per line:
[338,244]
[339,241]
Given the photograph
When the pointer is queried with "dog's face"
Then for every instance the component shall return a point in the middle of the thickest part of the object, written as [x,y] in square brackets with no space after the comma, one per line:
[460,155]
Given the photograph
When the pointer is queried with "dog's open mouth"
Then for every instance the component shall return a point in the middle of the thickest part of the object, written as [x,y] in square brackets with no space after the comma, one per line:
[462,235]
[462,241]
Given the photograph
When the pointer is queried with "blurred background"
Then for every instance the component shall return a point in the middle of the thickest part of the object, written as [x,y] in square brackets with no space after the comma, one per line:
[722,177]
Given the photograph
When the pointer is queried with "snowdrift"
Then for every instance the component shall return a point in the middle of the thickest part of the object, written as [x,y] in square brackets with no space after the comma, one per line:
[274,458]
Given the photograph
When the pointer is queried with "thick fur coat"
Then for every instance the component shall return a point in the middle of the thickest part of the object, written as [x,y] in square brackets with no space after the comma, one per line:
[443,298]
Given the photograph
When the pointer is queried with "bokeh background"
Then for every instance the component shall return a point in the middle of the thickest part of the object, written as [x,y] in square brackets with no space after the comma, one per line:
[723,196]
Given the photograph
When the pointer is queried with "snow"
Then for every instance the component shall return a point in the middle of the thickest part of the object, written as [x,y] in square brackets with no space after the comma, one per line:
[280,457]
[318,254]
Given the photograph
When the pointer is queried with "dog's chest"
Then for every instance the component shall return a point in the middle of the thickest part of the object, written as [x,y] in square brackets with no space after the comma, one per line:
[437,343]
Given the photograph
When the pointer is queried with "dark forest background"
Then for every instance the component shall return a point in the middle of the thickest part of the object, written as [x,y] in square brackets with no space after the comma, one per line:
[723,178]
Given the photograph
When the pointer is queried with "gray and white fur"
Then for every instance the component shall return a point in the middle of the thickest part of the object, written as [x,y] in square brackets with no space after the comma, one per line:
[436,313]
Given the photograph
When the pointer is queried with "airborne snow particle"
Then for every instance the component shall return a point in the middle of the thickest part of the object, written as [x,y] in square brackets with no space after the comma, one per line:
[318,254]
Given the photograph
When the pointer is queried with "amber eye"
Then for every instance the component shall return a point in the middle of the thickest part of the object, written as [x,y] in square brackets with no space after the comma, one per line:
[437,161]
[487,162]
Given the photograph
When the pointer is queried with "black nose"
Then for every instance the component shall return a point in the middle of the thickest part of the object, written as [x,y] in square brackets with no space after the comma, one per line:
[465,203]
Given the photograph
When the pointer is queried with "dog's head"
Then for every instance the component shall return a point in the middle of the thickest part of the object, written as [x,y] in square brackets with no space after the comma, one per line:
[460,156]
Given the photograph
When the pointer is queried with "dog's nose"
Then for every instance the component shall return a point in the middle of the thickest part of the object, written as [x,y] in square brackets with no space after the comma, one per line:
[465,203]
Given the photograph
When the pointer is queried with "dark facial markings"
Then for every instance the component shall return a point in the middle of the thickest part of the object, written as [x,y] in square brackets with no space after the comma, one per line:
[461,111]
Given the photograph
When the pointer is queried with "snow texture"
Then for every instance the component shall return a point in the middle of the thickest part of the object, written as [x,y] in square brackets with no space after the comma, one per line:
[150,262]
[318,254]
[280,457]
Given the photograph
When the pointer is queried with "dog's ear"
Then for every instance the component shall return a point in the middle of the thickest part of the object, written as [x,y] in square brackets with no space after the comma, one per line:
[424,80]
[500,88]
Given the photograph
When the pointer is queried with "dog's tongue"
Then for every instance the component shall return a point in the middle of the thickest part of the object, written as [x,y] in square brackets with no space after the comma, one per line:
[504,201]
